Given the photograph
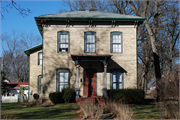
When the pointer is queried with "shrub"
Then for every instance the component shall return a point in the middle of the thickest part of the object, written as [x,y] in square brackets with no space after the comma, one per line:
[122,111]
[90,110]
[168,96]
[68,94]
[126,95]
[56,97]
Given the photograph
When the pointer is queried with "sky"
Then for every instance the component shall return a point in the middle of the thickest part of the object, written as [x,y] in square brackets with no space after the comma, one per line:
[13,20]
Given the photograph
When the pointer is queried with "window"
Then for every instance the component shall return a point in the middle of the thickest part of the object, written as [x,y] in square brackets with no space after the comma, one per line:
[63,42]
[116,80]
[90,42]
[62,79]
[40,83]
[116,42]
[40,58]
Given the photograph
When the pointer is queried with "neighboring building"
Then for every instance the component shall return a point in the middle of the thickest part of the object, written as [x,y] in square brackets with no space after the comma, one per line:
[90,50]
[14,87]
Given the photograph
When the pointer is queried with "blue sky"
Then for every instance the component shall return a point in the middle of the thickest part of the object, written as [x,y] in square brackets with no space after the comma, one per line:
[13,20]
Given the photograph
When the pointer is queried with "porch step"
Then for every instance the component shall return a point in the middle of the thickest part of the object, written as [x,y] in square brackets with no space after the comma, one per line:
[80,100]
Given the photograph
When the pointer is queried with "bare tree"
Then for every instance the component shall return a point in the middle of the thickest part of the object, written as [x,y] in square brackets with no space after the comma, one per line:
[6,6]
[156,36]
[15,62]
[170,34]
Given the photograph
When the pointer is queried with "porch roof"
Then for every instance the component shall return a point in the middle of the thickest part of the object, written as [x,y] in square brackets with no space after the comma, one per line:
[103,58]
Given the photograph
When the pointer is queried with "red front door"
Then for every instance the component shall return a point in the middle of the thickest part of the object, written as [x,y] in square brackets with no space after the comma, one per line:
[89,82]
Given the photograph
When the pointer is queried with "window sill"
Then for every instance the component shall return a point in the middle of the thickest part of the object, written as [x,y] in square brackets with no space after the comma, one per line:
[63,53]
[89,52]
[116,53]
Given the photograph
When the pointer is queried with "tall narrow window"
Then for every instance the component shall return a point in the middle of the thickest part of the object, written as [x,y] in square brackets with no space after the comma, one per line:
[40,58]
[116,80]
[62,79]
[90,42]
[40,83]
[63,41]
[116,42]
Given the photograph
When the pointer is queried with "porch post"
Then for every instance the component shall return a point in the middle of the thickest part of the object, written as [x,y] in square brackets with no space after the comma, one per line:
[104,90]
[77,81]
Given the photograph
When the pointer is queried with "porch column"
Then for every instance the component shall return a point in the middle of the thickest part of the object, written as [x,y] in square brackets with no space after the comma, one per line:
[104,90]
[77,81]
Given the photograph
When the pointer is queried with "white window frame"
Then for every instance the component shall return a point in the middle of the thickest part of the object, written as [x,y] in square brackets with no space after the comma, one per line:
[119,42]
[59,81]
[117,82]
[86,50]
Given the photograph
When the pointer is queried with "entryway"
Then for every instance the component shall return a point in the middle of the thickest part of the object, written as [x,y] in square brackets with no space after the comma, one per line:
[90,76]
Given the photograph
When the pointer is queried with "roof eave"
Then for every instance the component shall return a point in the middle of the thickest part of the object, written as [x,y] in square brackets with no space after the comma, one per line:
[28,51]
[87,19]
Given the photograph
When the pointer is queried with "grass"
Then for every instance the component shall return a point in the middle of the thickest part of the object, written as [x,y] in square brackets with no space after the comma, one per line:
[59,111]
[145,111]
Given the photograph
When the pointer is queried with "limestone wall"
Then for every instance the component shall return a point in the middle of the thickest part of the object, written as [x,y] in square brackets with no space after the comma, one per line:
[35,71]
[53,60]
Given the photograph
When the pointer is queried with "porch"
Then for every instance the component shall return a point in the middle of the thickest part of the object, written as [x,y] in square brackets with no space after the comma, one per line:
[90,77]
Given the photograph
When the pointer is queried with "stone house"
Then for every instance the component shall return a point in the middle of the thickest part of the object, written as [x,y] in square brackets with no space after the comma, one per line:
[90,50]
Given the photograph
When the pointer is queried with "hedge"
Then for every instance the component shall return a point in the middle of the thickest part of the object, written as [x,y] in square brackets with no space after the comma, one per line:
[126,95]
[67,95]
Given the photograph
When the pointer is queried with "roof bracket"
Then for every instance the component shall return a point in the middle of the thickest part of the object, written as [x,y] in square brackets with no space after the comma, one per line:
[135,24]
[90,23]
[113,24]
[67,23]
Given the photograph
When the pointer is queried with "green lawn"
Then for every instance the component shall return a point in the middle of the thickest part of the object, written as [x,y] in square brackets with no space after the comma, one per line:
[146,111]
[17,111]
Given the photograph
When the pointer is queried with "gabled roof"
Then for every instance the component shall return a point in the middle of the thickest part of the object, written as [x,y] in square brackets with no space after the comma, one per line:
[17,85]
[29,50]
[89,15]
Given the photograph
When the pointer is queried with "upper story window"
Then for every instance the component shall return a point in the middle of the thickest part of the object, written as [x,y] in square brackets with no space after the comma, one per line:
[116,42]
[90,42]
[63,42]
[40,58]
[116,80]
[63,79]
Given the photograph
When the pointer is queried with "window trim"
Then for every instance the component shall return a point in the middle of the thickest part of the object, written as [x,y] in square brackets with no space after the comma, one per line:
[58,40]
[122,73]
[38,84]
[90,33]
[57,77]
[39,58]
[111,39]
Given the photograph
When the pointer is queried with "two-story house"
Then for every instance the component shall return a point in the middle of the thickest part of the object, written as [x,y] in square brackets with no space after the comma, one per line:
[90,50]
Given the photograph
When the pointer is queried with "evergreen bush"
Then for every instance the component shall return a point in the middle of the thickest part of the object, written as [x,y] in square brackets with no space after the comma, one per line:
[56,97]
[126,95]
[69,94]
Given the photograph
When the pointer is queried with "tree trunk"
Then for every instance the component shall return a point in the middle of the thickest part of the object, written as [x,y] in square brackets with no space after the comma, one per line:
[155,56]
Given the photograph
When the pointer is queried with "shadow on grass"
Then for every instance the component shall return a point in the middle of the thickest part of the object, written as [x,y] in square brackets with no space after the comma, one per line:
[9,106]
[63,111]
[145,110]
